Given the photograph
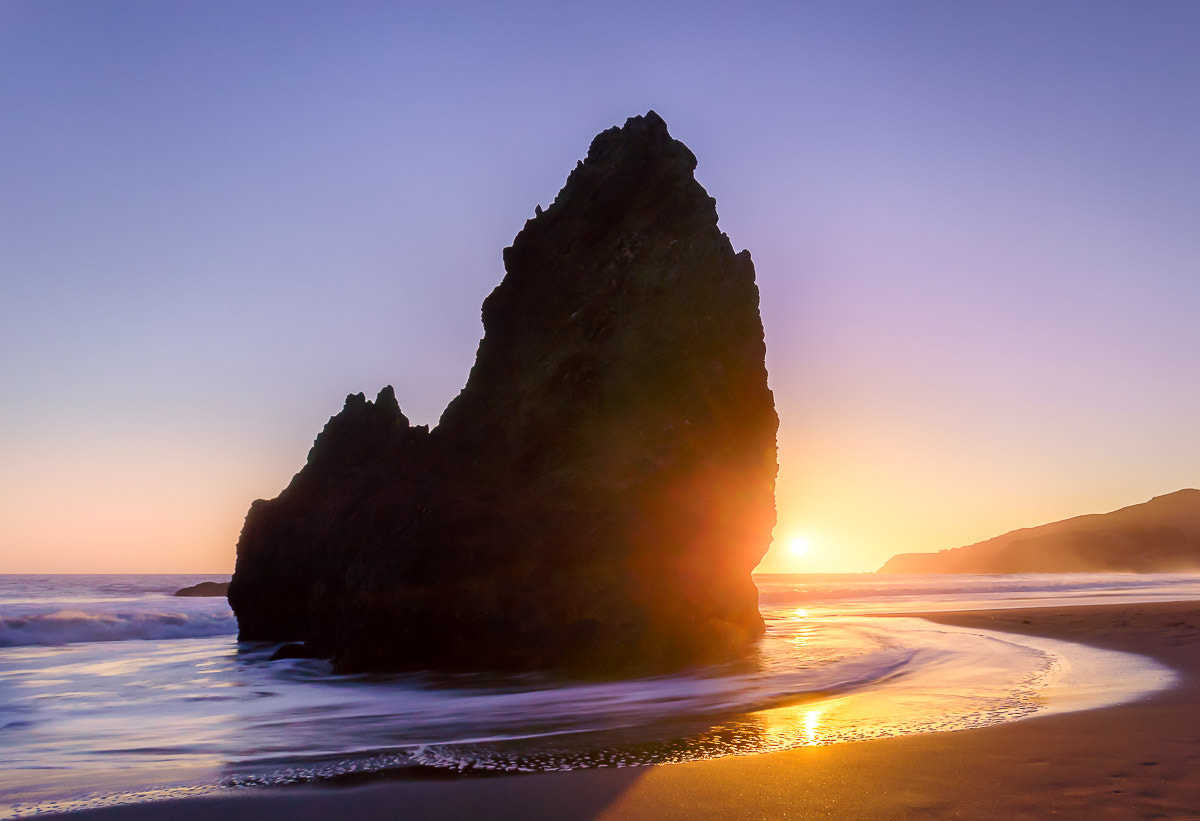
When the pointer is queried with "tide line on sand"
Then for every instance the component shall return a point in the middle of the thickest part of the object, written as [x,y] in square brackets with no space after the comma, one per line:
[1136,758]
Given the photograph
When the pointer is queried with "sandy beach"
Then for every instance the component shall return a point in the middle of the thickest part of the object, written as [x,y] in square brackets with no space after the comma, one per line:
[1136,760]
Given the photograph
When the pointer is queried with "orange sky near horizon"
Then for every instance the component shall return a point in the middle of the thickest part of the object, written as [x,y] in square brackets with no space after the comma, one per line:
[177,506]
[973,227]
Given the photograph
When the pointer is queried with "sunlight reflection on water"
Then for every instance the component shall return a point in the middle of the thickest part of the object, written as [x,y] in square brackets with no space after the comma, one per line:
[127,719]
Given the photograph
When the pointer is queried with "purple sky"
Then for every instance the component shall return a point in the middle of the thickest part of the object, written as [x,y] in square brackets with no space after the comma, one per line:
[976,228]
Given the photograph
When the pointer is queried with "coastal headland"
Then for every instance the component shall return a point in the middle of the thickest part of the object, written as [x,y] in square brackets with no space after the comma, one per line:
[1158,536]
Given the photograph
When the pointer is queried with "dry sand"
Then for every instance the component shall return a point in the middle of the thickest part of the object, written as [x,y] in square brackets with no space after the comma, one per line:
[1136,760]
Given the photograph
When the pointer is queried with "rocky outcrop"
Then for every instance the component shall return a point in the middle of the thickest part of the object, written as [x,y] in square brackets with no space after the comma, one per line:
[204,589]
[596,496]
[1159,536]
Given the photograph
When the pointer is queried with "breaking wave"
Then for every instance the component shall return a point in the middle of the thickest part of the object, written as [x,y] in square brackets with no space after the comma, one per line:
[71,626]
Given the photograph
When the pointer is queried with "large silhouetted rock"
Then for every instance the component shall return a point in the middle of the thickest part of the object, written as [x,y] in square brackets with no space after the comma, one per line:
[1158,536]
[596,496]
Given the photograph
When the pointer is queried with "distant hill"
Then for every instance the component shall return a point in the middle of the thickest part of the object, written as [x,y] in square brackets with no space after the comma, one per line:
[1158,536]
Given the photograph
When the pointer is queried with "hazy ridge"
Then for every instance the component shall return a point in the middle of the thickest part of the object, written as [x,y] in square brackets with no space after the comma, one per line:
[1158,536]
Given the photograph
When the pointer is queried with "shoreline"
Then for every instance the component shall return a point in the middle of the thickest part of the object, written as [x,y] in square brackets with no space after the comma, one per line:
[1136,759]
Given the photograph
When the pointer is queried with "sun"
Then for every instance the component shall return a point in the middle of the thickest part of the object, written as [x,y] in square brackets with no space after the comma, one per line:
[799,547]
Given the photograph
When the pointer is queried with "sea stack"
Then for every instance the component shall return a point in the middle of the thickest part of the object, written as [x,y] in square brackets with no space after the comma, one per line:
[595,498]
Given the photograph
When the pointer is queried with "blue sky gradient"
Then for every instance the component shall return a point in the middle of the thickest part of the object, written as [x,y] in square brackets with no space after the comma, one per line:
[974,226]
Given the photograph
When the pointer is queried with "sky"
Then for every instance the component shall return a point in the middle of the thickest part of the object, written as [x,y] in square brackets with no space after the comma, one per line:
[974,227]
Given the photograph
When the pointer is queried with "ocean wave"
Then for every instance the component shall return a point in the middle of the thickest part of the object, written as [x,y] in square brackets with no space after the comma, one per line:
[784,592]
[73,626]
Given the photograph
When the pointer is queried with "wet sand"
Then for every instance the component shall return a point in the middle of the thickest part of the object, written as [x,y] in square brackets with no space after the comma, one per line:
[1137,760]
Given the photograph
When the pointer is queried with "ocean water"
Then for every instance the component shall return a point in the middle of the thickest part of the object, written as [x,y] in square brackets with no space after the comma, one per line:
[112,690]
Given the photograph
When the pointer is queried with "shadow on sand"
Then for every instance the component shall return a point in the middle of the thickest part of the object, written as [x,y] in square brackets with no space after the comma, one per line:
[567,796]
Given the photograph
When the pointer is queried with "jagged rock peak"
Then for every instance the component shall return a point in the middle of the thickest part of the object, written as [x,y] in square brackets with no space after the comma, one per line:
[639,157]
[595,497]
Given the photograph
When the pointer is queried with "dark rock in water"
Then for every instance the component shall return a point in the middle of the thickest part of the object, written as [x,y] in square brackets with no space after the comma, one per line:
[205,589]
[295,650]
[1158,536]
[594,499]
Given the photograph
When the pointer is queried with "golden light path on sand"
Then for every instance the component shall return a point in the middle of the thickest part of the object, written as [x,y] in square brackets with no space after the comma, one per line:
[1078,677]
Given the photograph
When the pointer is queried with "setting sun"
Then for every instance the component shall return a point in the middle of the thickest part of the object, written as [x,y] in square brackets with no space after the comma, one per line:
[799,547]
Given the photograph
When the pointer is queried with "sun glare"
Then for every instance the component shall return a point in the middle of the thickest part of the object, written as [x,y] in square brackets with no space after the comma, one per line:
[799,547]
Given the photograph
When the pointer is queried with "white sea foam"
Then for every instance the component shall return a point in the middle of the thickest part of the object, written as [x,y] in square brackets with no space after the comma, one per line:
[71,625]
